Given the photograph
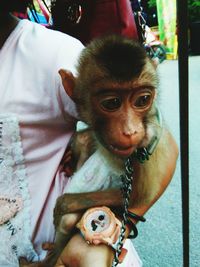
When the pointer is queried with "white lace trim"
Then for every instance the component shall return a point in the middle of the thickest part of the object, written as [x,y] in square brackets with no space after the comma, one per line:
[15,233]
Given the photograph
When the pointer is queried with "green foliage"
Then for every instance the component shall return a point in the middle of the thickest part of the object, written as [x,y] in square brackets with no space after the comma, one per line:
[36,5]
[152,3]
[194,10]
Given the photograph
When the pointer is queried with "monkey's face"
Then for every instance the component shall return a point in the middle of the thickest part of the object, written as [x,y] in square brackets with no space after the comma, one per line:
[120,114]
[115,90]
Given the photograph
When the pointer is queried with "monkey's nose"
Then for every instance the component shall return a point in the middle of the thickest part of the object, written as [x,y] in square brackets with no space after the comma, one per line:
[131,137]
[130,132]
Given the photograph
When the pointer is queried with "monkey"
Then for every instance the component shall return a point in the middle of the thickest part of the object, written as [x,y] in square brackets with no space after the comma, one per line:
[118,101]
[116,94]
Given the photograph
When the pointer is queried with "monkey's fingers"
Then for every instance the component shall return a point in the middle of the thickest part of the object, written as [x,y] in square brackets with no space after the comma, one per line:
[67,156]
[67,159]
[48,246]
[66,163]
[68,170]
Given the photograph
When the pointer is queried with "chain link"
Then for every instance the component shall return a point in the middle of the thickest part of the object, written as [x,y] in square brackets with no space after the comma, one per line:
[142,24]
[141,155]
[140,19]
[127,180]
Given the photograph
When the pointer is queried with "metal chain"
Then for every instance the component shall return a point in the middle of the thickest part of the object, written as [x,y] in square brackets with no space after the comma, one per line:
[141,155]
[141,21]
[127,179]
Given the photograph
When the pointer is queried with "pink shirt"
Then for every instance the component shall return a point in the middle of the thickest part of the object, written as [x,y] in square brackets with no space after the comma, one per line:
[32,97]
[37,119]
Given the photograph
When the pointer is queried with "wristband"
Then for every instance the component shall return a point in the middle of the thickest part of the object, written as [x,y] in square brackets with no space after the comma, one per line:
[136,217]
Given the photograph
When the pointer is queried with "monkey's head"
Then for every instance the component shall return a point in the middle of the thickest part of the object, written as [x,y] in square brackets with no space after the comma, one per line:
[114,92]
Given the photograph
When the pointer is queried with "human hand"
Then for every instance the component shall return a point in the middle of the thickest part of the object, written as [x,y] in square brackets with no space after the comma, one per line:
[78,253]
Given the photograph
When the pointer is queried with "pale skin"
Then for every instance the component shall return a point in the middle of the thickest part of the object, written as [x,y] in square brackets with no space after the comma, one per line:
[133,102]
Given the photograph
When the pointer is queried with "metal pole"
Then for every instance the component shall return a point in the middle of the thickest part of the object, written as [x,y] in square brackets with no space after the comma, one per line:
[182,16]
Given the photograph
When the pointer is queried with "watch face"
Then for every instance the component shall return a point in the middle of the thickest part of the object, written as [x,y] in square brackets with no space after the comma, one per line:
[97,221]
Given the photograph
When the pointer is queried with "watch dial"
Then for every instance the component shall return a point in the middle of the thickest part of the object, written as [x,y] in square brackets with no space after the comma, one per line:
[97,221]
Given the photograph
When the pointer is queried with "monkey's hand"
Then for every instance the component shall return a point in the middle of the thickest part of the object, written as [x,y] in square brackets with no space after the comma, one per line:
[77,153]
[67,222]
[82,147]
[61,213]
[67,163]
[79,202]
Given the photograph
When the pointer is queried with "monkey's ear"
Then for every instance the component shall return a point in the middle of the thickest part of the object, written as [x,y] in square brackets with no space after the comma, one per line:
[68,81]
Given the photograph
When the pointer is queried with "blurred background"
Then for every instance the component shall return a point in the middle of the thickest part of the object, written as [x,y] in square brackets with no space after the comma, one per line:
[158,16]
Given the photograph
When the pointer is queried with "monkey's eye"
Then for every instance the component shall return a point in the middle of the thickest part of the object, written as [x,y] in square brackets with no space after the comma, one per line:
[143,101]
[111,104]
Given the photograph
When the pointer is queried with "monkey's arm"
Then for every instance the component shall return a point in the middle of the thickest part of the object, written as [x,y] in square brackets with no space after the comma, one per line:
[157,172]
[69,203]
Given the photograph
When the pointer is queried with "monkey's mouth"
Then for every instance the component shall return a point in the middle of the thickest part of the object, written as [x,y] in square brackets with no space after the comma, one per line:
[122,151]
